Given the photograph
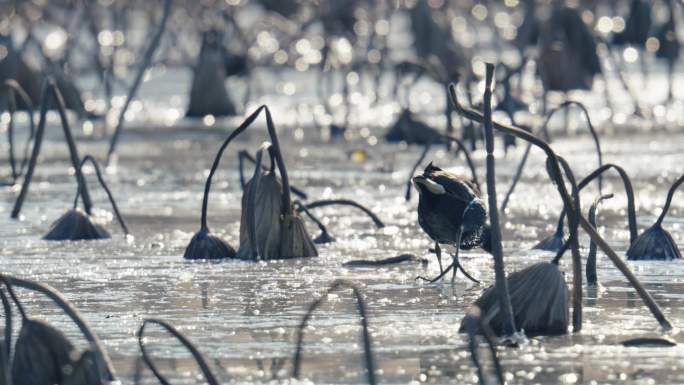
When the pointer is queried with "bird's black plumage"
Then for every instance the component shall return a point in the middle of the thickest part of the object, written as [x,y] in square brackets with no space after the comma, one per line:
[447,203]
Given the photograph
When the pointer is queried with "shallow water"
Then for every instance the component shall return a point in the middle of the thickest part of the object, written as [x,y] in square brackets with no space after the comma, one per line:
[243,315]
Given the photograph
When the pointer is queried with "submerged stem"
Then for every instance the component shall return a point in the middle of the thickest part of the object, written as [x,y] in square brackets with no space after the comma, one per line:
[100,178]
[199,358]
[361,308]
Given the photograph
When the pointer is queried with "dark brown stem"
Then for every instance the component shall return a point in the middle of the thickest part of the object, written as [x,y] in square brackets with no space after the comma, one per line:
[497,249]
[361,307]
[474,327]
[199,358]
[207,186]
[287,201]
[147,59]
[346,202]
[670,194]
[565,105]
[15,89]
[7,353]
[592,279]
[50,88]
[100,178]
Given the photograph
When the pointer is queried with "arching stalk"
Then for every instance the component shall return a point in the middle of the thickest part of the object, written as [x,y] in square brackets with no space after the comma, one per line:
[105,367]
[14,89]
[592,279]
[199,358]
[115,208]
[147,60]
[345,202]
[207,186]
[565,105]
[629,192]
[50,89]
[670,194]
[361,308]
[325,236]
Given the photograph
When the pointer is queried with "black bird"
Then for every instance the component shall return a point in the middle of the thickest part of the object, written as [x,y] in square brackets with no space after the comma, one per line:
[450,208]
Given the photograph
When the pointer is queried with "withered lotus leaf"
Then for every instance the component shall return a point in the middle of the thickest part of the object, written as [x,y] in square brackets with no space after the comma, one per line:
[267,195]
[295,241]
[204,245]
[539,296]
[42,355]
[75,225]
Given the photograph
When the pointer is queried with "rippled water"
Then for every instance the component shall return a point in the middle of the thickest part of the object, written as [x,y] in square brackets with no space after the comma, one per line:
[243,315]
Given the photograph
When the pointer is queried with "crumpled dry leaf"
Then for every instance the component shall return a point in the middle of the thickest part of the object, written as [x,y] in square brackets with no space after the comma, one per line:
[75,225]
[268,211]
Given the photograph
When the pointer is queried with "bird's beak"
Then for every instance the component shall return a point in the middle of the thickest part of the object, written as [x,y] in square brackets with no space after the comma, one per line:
[429,184]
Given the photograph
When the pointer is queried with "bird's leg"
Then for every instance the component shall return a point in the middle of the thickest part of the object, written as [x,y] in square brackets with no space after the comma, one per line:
[438,252]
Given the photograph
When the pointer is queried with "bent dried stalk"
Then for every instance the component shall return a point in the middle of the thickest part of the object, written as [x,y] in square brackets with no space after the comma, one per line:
[115,208]
[199,358]
[369,360]
[50,89]
[147,60]
[544,130]
[324,236]
[586,226]
[103,362]
[7,348]
[629,192]
[475,326]
[14,89]
[345,202]
[592,279]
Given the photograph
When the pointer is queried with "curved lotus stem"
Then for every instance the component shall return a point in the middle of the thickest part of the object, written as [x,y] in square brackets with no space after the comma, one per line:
[207,186]
[199,358]
[244,155]
[147,60]
[50,88]
[591,256]
[474,325]
[299,207]
[590,126]
[670,194]
[347,202]
[629,191]
[544,130]
[361,307]
[15,89]
[105,367]
[104,186]
[461,148]
[600,242]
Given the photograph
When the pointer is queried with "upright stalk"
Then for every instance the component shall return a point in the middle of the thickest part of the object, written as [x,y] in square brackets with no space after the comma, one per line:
[497,249]
[147,60]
